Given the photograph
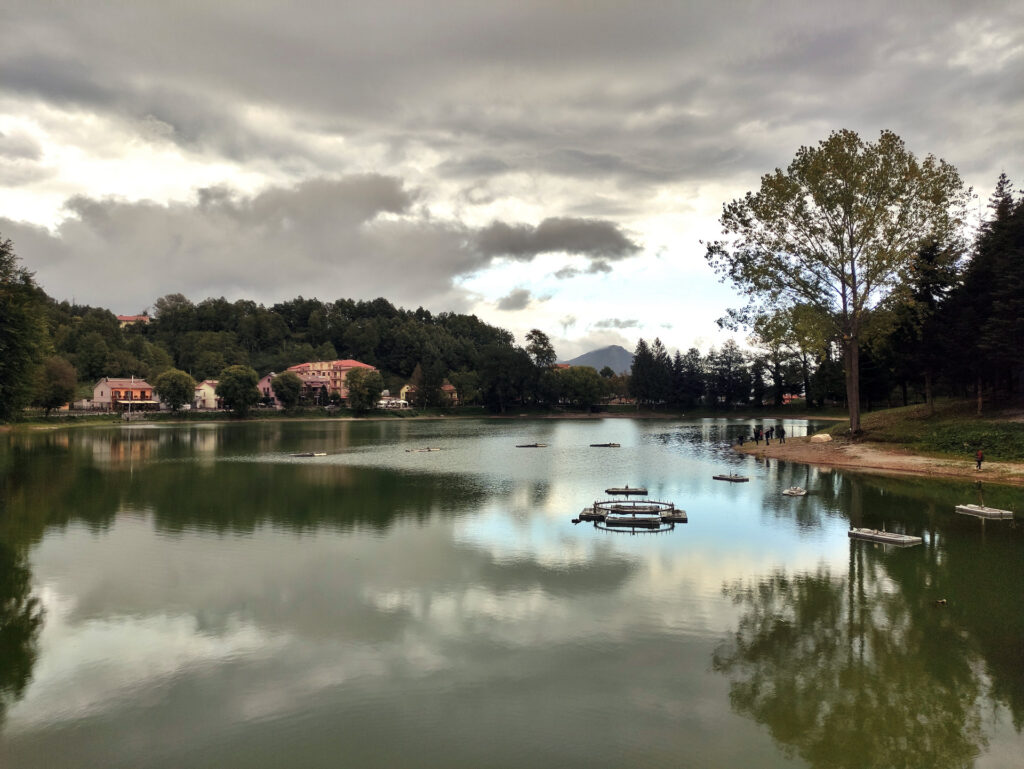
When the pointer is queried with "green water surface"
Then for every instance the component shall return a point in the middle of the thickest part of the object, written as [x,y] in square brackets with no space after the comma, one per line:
[196,596]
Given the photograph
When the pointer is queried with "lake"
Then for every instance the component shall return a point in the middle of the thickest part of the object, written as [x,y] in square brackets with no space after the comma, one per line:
[196,596]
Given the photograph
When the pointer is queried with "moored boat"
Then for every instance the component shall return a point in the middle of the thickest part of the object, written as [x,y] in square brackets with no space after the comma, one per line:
[795,491]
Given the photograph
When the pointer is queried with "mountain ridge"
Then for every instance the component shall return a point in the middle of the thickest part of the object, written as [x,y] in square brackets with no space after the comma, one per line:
[618,358]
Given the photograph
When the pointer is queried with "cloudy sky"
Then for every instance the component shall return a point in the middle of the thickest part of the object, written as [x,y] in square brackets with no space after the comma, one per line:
[544,164]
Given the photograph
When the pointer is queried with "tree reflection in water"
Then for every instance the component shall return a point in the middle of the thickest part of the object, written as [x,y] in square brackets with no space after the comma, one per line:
[848,673]
[21,618]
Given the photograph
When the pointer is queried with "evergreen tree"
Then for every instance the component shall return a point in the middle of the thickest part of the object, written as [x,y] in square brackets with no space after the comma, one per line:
[23,338]
[641,384]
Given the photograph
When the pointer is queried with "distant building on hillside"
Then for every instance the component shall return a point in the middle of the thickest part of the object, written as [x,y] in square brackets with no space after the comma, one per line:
[127,320]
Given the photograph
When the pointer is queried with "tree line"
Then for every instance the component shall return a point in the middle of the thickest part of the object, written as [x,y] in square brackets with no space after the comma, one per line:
[859,252]
[50,350]
[954,326]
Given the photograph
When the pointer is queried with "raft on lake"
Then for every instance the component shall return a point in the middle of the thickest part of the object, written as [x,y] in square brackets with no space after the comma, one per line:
[604,445]
[795,491]
[980,511]
[531,445]
[310,454]
[641,490]
[885,537]
[416,451]
[731,477]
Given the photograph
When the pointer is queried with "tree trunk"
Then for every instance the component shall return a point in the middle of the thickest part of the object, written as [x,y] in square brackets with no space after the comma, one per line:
[929,397]
[977,389]
[852,360]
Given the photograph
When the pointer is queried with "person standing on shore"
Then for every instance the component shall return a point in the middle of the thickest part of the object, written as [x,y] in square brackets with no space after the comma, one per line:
[979,456]
[782,434]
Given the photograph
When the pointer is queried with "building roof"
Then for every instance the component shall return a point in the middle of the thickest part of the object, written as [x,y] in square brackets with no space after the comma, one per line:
[123,382]
[133,318]
[341,364]
[211,382]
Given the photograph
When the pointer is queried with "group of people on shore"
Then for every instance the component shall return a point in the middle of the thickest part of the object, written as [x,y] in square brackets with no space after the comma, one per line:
[766,435]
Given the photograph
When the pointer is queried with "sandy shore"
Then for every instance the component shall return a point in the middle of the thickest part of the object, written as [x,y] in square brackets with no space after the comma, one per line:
[884,459]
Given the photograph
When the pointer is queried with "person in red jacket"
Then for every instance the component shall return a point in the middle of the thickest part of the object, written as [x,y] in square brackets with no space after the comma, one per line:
[979,456]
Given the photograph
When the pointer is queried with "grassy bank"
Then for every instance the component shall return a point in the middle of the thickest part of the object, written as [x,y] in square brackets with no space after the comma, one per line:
[954,430]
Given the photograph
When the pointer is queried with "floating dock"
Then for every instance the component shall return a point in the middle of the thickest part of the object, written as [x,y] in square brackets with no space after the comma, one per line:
[980,511]
[627,490]
[416,451]
[531,445]
[885,537]
[649,513]
[732,478]
[310,454]
[604,445]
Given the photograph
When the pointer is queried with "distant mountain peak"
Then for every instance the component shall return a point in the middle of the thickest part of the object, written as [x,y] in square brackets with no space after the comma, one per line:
[619,359]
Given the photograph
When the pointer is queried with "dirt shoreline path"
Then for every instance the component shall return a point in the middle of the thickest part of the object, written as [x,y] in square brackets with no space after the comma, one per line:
[884,459]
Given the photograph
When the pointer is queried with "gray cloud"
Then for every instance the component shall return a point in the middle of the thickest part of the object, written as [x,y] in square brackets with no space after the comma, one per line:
[320,238]
[356,236]
[617,323]
[593,238]
[683,92]
[517,299]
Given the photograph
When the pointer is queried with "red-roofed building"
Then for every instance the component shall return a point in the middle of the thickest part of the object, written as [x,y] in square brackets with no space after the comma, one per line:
[328,375]
[127,320]
[116,394]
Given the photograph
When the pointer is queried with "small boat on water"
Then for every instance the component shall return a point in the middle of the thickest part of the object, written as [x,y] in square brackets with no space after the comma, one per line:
[604,445]
[795,491]
[732,478]
[641,490]
[531,445]
[416,451]
[310,454]
[885,537]
[980,511]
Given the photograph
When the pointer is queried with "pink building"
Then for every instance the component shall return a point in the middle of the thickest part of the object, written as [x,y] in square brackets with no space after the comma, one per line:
[327,374]
[267,390]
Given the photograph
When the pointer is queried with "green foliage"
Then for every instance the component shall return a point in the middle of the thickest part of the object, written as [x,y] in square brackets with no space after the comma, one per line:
[287,388]
[175,387]
[56,384]
[364,388]
[999,440]
[23,338]
[581,386]
[237,386]
[784,245]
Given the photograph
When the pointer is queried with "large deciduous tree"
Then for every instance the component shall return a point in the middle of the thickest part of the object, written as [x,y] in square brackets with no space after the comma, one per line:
[839,229]
[22,332]
[237,387]
[287,388]
[176,388]
[364,388]
[57,381]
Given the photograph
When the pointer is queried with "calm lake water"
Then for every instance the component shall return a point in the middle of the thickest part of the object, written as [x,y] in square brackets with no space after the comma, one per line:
[195,596]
